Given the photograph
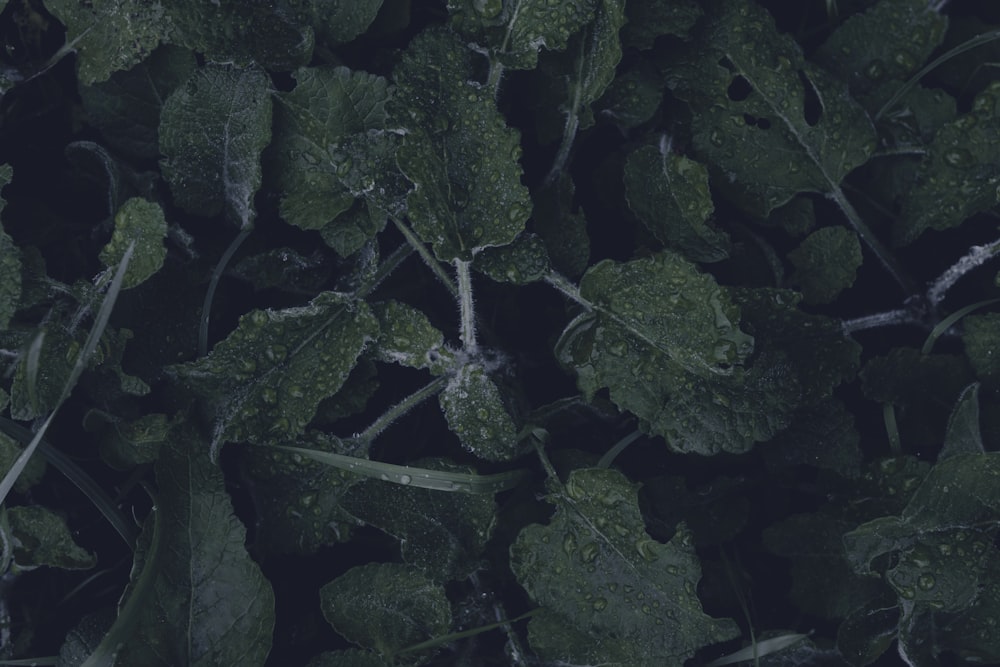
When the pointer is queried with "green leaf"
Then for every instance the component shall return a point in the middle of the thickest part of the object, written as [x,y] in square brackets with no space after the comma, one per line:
[212,131]
[523,27]
[475,410]
[274,35]
[10,277]
[110,35]
[523,261]
[939,545]
[963,435]
[385,606]
[340,21]
[41,537]
[980,338]
[126,107]
[756,120]
[463,159]
[327,131]
[561,227]
[669,194]
[210,603]
[34,394]
[139,222]
[876,51]
[595,566]
[267,377]
[32,472]
[633,98]
[443,535]
[407,337]
[826,263]
[131,443]
[299,501]
[649,19]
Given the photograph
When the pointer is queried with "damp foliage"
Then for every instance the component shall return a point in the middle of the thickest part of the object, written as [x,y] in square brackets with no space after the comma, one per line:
[499,332]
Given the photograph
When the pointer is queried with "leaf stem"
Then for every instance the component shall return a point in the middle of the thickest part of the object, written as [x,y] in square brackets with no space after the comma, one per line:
[563,284]
[977,256]
[886,319]
[467,328]
[907,283]
[206,307]
[425,255]
[400,409]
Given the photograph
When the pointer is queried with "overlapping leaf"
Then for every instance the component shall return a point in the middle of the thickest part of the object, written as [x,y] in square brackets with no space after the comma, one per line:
[209,603]
[826,263]
[139,222]
[385,606]
[331,147]
[770,124]
[942,540]
[110,35]
[443,535]
[408,338]
[267,377]
[460,155]
[475,410]
[212,131]
[617,590]
[669,194]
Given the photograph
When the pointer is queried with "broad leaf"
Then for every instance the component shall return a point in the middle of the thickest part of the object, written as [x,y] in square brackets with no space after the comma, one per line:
[826,263]
[407,337]
[461,156]
[139,222]
[110,35]
[770,124]
[267,377]
[595,566]
[475,410]
[210,604]
[385,606]
[212,131]
[340,21]
[959,174]
[331,145]
[523,261]
[126,107]
[39,537]
[669,194]
[941,542]
[443,535]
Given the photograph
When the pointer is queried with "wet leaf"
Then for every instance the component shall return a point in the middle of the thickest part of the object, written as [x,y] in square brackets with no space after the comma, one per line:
[407,337]
[523,261]
[770,124]
[231,107]
[595,566]
[41,537]
[139,222]
[826,263]
[475,410]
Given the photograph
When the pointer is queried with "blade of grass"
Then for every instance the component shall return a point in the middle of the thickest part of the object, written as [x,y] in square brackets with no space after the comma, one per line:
[93,338]
[424,478]
[947,323]
[759,650]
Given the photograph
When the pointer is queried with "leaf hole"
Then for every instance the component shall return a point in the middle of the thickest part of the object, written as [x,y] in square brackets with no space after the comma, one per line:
[727,63]
[739,89]
[754,121]
[812,106]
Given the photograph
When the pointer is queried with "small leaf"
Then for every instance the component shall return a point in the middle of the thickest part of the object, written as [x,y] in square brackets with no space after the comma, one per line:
[596,567]
[959,174]
[407,337]
[110,35]
[210,603]
[385,606]
[461,156]
[267,377]
[212,131]
[441,534]
[10,278]
[669,194]
[126,108]
[770,124]
[40,537]
[140,223]
[340,21]
[475,411]
[523,261]
[826,263]
[980,336]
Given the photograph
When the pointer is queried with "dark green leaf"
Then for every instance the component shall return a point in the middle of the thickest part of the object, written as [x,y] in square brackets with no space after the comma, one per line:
[10,277]
[267,377]
[110,35]
[126,107]
[212,131]
[475,410]
[41,537]
[340,21]
[463,159]
[523,261]
[385,606]
[441,534]
[408,338]
[826,263]
[669,194]
[594,565]
[649,19]
[981,335]
[963,435]
[210,604]
[754,121]
[139,222]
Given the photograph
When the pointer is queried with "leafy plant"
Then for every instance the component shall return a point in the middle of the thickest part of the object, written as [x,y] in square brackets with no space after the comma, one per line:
[500,332]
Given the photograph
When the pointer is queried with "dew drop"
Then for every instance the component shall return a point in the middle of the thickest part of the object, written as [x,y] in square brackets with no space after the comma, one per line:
[600,604]
[405,479]
[926,582]
[589,552]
